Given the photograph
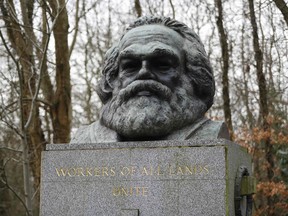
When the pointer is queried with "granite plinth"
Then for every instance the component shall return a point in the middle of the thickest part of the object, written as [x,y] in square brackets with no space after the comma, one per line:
[160,178]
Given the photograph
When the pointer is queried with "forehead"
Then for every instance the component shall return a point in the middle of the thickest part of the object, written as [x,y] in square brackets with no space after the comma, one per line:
[146,37]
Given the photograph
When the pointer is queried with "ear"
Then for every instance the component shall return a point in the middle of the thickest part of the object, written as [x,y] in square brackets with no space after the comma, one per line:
[104,90]
[200,73]
[109,75]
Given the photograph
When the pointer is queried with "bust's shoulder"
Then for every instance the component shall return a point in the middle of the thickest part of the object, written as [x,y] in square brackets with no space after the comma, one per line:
[211,130]
[94,133]
[203,128]
[81,135]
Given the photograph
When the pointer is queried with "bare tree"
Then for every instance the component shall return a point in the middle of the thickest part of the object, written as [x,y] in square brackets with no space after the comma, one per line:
[61,103]
[282,6]
[30,58]
[225,66]
[138,8]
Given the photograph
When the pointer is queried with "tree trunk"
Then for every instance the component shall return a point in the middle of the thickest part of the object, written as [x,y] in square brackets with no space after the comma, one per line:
[262,87]
[264,111]
[282,6]
[225,68]
[259,65]
[21,42]
[138,8]
[61,108]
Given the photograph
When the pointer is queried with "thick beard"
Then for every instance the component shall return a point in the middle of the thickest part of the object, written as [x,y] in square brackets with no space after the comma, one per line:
[151,117]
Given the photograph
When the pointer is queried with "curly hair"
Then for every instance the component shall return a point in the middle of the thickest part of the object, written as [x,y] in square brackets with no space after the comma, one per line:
[197,64]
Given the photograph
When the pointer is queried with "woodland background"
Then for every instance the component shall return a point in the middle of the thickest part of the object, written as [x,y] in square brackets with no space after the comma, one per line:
[51,52]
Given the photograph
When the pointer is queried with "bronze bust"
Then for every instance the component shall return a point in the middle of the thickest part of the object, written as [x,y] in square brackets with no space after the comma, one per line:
[157,84]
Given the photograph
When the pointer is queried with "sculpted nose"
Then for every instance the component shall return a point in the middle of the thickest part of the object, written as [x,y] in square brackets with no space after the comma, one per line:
[145,72]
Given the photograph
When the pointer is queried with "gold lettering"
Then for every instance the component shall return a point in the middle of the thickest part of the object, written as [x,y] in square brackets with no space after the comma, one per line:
[159,171]
[125,171]
[124,191]
[61,171]
[130,191]
[189,170]
[105,171]
[97,171]
[89,171]
[80,171]
[144,191]
[112,170]
[116,191]
[72,172]
[206,169]
[179,171]
[133,170]
[137,191]
[195,169]
[144,171]
[200,168]
[171,170]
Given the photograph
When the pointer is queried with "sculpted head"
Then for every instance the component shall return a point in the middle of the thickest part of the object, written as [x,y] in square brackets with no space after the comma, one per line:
[156,79]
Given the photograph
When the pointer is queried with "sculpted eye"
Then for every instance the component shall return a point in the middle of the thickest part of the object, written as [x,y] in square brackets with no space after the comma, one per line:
[162,65]
[130,65]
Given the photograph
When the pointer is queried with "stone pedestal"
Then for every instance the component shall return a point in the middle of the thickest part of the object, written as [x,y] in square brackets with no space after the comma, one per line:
[163,178]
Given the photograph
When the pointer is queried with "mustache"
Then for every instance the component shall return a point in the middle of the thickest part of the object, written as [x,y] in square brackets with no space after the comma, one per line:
[154,87]
[130,91]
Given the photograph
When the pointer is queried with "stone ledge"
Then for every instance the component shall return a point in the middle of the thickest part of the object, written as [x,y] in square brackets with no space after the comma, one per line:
[142,144]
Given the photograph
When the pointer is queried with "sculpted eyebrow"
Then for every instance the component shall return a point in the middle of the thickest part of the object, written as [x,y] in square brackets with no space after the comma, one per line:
[166,53]
[155,53]
[127,54]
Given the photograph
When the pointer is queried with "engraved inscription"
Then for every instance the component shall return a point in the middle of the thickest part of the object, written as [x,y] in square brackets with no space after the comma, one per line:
[131,170]
[119,172]
[87,171]
[130,191]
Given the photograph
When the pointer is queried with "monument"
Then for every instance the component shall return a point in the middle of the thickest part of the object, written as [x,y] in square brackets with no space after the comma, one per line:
[153,151]
[157,84]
